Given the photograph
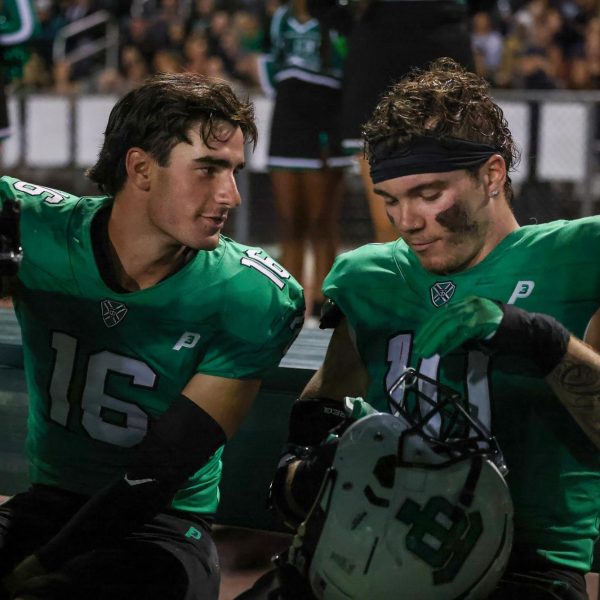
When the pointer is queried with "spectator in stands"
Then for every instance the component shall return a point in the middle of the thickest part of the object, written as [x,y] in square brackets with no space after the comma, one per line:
[50,22]
[530,12]
[576,14]
[161,23]
[167,61]
[134,66]
[62,79]
[133,70]
[167,326]
[534,49]
[136,34]
[487,45]
[535,70]
[515,41]
[202,12]
[176,35]
[542,64]
[230,51]
[17,26]
[247,28]
[219,42]
[109,81]
[198,59]
[584,70]
[196,53]
[36,76]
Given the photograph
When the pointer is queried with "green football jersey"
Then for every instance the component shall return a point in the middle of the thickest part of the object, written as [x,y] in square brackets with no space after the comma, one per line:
[101,365]
[554,473]
[296,53]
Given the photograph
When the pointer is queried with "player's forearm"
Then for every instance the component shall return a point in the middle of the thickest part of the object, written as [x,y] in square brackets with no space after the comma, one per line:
[576,382]
[25,571]
[342,373]
[177,445]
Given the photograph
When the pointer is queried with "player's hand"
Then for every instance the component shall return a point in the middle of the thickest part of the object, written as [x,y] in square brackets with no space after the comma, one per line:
[470,319]
[29,568]
[45,586]
[538,340]
[30,581]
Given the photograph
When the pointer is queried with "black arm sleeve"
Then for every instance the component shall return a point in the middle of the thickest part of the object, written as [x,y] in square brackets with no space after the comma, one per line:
[538,338]
[331,315]
[178,444]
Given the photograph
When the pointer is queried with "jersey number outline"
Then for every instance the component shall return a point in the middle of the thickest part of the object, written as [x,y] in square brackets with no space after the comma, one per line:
[456,534]
[94,403]
[37,190]
[476,374]
[267,266]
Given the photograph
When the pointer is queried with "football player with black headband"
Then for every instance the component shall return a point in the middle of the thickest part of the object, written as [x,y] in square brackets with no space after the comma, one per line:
[146,334]
[505,315]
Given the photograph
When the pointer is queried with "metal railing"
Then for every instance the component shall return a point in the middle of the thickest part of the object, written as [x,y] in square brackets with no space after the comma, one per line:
[109,44]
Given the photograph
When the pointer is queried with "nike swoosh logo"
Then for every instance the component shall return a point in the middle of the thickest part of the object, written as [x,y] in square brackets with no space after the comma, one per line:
[137,481]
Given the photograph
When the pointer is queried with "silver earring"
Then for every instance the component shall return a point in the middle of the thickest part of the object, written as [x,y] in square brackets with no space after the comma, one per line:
[494,193]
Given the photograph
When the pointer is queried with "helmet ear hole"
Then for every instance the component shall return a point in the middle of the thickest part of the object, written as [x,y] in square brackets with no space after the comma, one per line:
[404,509]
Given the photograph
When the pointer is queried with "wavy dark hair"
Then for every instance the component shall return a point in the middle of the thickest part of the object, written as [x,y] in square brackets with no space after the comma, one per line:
[443,100]
[160,114]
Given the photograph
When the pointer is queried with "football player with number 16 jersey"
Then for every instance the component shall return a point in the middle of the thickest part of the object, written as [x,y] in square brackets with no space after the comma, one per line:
[146,334]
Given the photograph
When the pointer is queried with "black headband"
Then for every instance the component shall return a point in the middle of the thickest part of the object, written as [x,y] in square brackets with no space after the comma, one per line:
[426,154]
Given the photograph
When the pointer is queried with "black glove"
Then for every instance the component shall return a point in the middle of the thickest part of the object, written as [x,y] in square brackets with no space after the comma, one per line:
[496,329]
[297,481]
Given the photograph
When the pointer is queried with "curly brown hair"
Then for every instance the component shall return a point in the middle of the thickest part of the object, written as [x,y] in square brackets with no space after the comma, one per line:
[444,100]
[159,114]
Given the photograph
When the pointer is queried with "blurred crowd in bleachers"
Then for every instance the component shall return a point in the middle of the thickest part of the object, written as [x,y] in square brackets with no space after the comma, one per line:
[541,44]
[534,44]
[205,36]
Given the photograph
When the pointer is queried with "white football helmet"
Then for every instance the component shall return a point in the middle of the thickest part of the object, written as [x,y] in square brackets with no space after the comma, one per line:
[404,513]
